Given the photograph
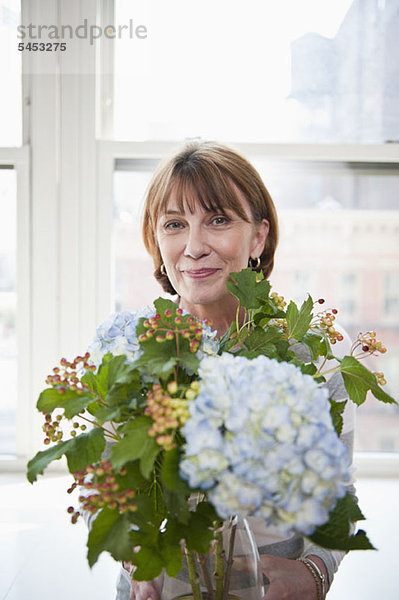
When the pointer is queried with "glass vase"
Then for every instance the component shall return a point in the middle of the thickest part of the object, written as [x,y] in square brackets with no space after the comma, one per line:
[230,571]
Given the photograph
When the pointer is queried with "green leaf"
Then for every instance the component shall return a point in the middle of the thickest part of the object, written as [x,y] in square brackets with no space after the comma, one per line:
[170,472]
[358,541]
[298,321]
[247,289]
[136,444]
[123,393]
[86,449]
[148,518]
[162,304]
[80,452]
[149,562]
[173,559]
[199,531]
[315,343]
[307,369]
[109,532]
[71,401]
[170,547]
[134,478]
[225,340]
[42,459]
[335,534]
[161,358]
[359,380]
[336,410]
[262,341]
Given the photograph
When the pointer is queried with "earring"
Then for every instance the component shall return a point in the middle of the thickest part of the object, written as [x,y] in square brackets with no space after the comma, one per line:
[163,270]
[254,263]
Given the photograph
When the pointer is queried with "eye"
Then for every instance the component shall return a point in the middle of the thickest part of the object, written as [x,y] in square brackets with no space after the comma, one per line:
[220,220]
[173,225]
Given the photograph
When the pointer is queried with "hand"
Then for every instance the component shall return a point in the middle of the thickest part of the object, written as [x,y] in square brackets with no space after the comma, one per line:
[143,590]
[289,579]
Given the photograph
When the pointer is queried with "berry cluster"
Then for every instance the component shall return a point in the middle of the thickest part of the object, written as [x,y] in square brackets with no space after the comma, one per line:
[54,432]
[369,343]
[168,411]
[278,300]
[66,376]
[280,324]
[379,375]
[52,429]
[168,327]
[325,321]
[107,490]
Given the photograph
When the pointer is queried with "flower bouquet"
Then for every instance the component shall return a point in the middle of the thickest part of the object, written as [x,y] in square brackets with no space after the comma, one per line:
[204,432]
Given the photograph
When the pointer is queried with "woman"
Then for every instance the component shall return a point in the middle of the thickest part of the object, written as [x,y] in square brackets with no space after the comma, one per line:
[207,214]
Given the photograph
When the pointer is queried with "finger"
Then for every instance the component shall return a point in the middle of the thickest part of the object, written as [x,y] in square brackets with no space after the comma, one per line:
[144,590]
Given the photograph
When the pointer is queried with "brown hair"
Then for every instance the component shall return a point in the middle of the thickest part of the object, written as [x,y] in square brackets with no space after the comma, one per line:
[204,172]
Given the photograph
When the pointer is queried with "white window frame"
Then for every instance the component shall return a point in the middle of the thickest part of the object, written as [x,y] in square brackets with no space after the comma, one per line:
[369,464]
[17,159]
[65,185]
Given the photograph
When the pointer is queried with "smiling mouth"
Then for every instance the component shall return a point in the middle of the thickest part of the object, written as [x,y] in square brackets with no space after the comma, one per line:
[199,273]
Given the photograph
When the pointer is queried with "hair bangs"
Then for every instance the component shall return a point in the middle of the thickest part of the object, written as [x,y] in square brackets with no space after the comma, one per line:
[196,187]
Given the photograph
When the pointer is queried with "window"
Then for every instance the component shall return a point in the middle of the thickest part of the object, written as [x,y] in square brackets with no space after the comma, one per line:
[10,73]
[391,300]
[312,108]
[336,237]
[282,71]
[10,135]
[132,267]
[8,311]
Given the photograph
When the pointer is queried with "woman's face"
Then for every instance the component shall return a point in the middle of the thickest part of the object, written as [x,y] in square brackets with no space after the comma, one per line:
[200,249]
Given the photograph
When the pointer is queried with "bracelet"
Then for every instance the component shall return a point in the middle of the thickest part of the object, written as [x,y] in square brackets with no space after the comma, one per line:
[321,575]
[317,575]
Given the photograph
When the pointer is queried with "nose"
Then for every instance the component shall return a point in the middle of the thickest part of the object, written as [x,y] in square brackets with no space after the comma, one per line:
[196,243]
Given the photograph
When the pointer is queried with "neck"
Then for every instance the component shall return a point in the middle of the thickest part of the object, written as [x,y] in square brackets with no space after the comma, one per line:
[221,316]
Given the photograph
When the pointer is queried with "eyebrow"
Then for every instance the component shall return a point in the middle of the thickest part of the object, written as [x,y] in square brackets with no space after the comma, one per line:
[174,212]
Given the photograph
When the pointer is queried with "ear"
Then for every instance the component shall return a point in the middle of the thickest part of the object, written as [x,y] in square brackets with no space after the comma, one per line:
[261,231]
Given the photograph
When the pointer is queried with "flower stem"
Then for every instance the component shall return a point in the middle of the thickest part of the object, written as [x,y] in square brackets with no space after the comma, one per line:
[333,370]
[319,370]
[230,560]
[193,574]
[219,561]
[207,577]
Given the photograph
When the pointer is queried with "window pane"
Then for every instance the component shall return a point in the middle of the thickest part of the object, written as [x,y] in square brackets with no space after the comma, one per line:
[339,239]
[8,306]
[259,71]
[134,285]
[10,75]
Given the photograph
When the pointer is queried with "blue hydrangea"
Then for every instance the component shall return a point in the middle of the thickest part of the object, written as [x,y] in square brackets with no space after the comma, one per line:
[117,334]
[261,440]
